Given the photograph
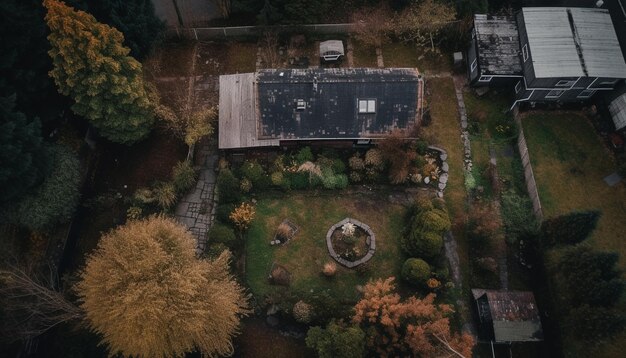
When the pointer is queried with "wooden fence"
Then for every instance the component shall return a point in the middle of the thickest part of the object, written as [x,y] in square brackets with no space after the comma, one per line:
[215,33]
[531,184]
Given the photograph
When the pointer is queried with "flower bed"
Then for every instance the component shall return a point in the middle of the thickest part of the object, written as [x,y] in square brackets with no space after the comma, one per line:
[351,242]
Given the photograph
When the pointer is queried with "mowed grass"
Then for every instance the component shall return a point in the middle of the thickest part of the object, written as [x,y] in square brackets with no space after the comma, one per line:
[569,162]
[399,54]
[305,255]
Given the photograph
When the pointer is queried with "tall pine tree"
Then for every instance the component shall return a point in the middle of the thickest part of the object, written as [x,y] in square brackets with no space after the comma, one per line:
[93,68]
[22,154]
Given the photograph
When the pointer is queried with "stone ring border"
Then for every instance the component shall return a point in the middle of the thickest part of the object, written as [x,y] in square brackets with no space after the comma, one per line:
[362,260]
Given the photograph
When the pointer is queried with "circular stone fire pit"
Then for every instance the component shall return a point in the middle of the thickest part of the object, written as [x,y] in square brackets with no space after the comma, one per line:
[370,243]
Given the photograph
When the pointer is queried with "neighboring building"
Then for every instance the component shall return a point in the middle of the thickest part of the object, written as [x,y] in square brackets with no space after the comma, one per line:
[617,109]
[507,316]
[567,54]
[494,55]
[279,107]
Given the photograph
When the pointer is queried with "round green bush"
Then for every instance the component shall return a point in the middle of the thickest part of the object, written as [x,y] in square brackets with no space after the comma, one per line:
[285,184]
[426,244]
[257,175]
[220,233]
[183,177]
[299,180]
[421,146]
[342,181]
[435,220]
[416,271]
[339,167]
[304,155]
[277,178]
[423,204]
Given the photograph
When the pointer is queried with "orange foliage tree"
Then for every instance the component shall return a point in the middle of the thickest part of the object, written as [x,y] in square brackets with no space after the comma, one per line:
[414,326]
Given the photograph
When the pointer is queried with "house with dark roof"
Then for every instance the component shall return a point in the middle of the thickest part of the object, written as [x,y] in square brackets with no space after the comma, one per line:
[566,54]
[278,107]
[507,316]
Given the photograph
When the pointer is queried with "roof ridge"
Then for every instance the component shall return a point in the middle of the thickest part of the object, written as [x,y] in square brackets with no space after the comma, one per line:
[576,37]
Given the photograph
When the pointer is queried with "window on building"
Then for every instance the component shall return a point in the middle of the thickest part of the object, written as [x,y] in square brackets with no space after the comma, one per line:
[473,66]
[485,78]
[525,52]
[586,94]
[518,87]
[367,106]
[565,83]
[300,105]
[608,83]
[555,94]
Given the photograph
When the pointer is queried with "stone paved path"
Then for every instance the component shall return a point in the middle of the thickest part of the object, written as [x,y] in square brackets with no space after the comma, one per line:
[197,209]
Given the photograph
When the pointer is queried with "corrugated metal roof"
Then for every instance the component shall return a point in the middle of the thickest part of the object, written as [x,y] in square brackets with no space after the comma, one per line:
[555,41]
[498,45]
[617,108]
[598,42]
[552,47]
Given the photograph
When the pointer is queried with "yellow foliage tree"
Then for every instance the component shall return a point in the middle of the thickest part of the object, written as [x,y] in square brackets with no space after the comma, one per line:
[91,66]
[242,216]
[417,327]
[144,290]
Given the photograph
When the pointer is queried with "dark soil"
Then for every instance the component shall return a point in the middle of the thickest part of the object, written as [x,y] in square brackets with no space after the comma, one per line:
[344,248]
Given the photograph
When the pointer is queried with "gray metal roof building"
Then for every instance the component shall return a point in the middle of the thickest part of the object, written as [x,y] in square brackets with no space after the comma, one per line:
[573,42]
[617,109]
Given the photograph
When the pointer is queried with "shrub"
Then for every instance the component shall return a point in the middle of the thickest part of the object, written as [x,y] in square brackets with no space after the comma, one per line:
[277,178]
[329,180]
[356,177]
[245,185]
[165,194]
[304,155]
[338,166]
[330,269]
[416,271]
[228,187]
[222,213]
[222,234]
[470,181]
[242,216]
[133,213]
[253,171]
[374,158]
[336,341]
[593,324]
[356,163]
[341,181]
[517,214]
[433,283]
[214,250]
[421,146]
[423,244]
[183,177]
[279,164]
[143,196]
[434,220]
[54,200]
[299,180]
[285,184]
[302,312]
[483,223]
[423,204]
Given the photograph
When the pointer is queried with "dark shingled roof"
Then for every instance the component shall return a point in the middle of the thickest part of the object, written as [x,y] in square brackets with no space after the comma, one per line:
[498,45]
[331,98]
[513,314]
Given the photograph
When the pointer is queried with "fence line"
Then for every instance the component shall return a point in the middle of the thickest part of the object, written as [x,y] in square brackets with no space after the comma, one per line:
[531,184]
[212,33]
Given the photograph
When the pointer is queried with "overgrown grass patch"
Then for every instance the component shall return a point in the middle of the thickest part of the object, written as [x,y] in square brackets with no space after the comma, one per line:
[363,56]
[305,255]
[569,162]
[241,57]
[400,54]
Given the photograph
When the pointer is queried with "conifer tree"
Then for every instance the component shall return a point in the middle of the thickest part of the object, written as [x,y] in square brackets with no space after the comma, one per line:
[148,295]
[93,68]
[22,154]
[570,228]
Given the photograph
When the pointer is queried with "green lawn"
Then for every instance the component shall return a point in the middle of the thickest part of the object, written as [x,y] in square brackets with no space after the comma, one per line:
[364,56]
[398,54]
[305,255]
[569,161]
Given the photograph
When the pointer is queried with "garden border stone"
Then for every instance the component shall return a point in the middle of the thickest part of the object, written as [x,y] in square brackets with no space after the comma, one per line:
[342,261]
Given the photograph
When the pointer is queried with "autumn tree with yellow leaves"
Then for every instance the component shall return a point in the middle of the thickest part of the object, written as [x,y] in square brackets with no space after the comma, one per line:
[91,66]
[147,294]
[417,327]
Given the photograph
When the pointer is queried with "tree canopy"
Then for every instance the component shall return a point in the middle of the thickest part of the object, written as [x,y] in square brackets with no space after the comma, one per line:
[93,68]
[144,290]
[414,326]
[336,341]
[22,153]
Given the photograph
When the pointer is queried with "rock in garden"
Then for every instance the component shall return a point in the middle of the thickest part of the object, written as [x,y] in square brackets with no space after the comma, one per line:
[443,178]
[443,156]
[440,194]
[445,167]
[426,180]
[442,186]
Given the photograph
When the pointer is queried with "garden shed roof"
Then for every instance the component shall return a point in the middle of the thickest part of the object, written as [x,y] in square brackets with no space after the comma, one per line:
[264,108]
[617,108]
[498,45]
[513,314]
[331,46]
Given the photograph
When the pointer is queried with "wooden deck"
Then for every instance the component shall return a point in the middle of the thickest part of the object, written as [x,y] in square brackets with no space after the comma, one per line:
[238,118]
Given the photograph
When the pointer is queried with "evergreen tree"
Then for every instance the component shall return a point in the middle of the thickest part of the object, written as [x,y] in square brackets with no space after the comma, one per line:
[93,68]
[336,341]
[24,63]
[24,160]
[571,228]
[595,323]
[148,295]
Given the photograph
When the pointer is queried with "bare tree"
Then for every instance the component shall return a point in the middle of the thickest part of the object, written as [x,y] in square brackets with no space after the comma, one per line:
[31,305]
[422,21]
[373,25]
[269,49]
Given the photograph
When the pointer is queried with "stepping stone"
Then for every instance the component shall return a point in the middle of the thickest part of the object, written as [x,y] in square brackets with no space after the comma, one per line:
[443,156]
[443,178]
[445,167]
[613,179]
[440,194]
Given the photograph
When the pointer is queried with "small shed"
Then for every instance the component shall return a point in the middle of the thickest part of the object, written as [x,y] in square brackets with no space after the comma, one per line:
[331,50]
[617,109]
[508,316]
